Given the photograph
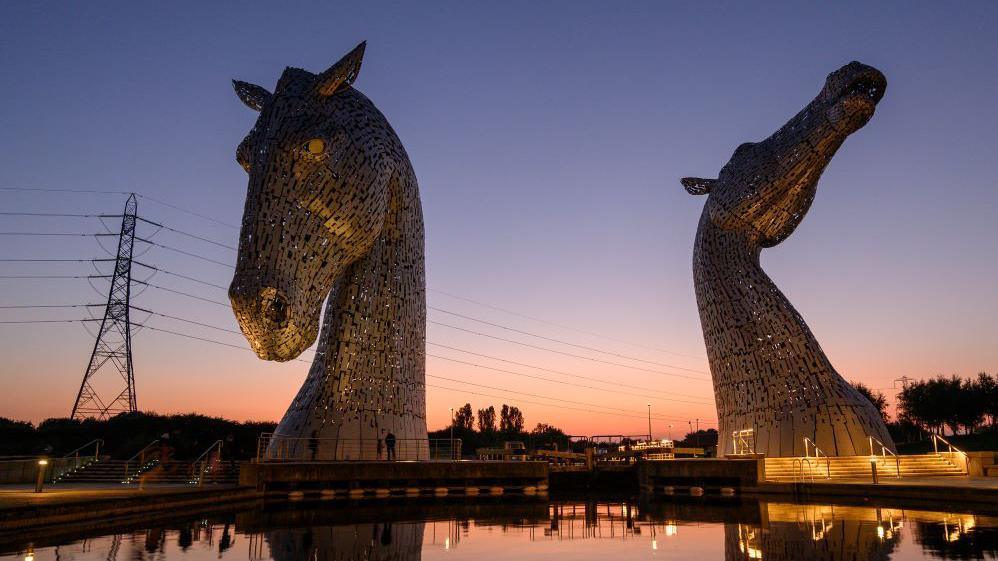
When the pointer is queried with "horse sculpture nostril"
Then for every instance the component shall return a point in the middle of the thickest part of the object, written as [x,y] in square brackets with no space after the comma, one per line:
[274,306]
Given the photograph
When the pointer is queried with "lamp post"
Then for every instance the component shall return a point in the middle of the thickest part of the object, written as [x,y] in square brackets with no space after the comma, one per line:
[670,431]
[649,422]
[452,424]
[40,482]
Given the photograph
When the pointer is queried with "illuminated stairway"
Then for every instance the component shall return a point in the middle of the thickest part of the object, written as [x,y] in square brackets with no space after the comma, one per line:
[858,467]
[109,471]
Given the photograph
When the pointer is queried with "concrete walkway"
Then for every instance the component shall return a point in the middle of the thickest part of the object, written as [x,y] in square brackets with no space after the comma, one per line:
[14,496]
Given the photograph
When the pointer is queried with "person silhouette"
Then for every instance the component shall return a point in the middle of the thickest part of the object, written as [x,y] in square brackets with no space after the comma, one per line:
[390,443]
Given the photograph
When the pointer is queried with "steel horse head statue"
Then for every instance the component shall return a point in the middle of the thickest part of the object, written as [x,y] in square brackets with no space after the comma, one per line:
[771,378]
[333,215]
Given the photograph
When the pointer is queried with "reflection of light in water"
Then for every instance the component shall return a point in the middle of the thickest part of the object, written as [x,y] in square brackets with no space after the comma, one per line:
[654,545]
[956,526]
[671,529]
[447,543]
[748,542]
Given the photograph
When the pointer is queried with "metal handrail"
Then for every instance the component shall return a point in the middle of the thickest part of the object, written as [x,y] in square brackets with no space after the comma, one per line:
[141,453]
[817,454]
[798,467]
[935,446]
[884,451]
[272,447]
[98,441]
[199,468]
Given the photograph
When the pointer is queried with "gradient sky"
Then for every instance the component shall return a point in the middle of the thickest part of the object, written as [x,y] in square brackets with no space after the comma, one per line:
[548,139]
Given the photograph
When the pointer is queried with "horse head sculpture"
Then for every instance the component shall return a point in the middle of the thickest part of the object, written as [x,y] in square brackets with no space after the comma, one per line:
[332,214]
[771,378]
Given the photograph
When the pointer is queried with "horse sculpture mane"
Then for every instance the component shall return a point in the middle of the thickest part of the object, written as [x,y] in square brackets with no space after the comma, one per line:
[333,214]
[771,378]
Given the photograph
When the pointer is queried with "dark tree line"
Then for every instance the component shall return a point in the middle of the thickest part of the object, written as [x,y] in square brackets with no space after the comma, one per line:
[126,434]
[493,433]
[966,405]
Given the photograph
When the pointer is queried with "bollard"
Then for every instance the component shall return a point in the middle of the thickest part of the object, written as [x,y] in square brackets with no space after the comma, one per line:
[873,469]
[40,482]
[696,491]
[727,491]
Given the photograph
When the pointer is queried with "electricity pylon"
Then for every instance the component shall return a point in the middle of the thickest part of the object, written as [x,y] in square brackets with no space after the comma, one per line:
[113,349]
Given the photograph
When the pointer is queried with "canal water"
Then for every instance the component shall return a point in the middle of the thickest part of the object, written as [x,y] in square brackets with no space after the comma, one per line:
[613,530]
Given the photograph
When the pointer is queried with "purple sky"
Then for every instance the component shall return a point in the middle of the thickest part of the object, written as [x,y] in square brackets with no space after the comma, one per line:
[548,139]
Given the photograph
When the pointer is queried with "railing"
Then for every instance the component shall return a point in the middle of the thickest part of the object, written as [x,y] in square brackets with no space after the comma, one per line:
[952,450]
[97,443]
[143,459]
[798,467]
[279,448]
[206,462]
[743,441]
[808,444]
[884,452]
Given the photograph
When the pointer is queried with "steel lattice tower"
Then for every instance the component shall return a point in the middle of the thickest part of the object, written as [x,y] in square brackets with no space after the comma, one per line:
[113,348]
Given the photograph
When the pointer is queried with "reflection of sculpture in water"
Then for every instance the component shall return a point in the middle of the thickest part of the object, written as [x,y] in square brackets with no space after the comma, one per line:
[770,375]
[957,536]
[383,541]
[333,214]
[828,540]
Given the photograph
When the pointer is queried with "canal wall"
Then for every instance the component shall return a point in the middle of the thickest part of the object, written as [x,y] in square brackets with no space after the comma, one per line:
[358,479]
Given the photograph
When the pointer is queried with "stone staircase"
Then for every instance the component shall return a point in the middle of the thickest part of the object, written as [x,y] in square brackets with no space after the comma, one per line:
[108,471]
[858,467]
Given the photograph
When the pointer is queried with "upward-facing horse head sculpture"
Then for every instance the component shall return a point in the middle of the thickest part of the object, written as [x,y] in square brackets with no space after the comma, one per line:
[770,375]
[333,213]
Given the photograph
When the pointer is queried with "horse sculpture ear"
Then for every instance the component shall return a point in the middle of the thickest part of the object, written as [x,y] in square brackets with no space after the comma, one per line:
[697,185]
[343,73]
[252,95]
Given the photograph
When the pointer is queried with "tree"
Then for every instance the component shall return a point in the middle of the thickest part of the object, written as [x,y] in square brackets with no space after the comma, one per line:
[487,419]
[510,420]
[464,418]
[987,388]
[876,398]
[547,436]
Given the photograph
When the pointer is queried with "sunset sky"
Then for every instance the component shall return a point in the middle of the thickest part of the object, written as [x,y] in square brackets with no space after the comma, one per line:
[548,140]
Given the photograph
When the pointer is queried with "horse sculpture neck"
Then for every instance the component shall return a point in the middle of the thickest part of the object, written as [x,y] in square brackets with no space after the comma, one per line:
[770,374]
[366,379]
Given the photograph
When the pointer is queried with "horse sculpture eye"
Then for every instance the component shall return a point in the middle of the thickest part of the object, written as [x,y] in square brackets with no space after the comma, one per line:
[315,147]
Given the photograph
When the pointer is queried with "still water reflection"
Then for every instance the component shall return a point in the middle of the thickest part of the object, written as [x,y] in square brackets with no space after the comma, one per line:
[605,531]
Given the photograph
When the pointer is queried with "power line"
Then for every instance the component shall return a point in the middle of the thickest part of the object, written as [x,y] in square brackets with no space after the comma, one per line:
[207,340]
[646,396]
[181,293]
[83,235]
[562,372]
[187,211]
[51,260]
[588,348]
[178,275]
[30,306]
[564,353]
[55,277]
[183,252]
[188,234]
[59,215]
[561,325]
[45,321]
[105,192]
